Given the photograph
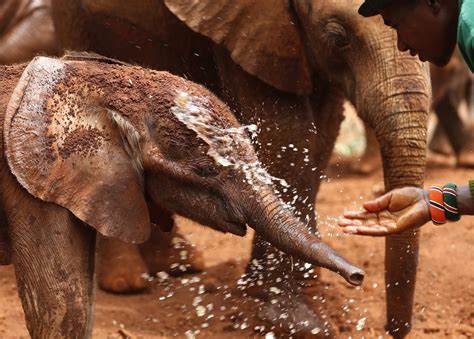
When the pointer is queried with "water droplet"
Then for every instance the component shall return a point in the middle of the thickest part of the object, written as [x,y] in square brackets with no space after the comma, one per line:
[200,311]
[270,335]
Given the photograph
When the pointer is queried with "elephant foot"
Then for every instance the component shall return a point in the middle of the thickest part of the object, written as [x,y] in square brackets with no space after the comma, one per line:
[172,253]
[288,313]
[120,267]
[288,310]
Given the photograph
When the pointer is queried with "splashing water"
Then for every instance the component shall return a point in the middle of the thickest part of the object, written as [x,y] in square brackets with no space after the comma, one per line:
[229,147]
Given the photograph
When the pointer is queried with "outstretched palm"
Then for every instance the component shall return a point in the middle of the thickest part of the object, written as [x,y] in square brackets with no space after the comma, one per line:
[394,212]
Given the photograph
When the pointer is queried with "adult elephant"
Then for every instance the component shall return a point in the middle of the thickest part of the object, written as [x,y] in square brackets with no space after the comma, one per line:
[288,65]
[451,85]
[26,29]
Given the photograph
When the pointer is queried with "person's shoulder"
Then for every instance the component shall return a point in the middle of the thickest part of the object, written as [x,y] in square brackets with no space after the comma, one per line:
[466,12]
[466,20]
[465,34]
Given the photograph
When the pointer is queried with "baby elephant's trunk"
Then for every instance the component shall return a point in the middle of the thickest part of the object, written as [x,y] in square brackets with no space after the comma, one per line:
[272,220]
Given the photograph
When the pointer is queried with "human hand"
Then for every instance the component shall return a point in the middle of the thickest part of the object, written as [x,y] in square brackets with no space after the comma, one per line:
[392,213]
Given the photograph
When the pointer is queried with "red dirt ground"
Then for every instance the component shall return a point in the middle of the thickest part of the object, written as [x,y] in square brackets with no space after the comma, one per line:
[444,299]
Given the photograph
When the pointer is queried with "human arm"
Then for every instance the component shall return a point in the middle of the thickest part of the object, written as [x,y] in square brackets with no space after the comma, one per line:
[397,211]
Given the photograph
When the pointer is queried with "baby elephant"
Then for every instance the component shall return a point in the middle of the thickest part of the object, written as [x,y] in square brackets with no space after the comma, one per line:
[87,143]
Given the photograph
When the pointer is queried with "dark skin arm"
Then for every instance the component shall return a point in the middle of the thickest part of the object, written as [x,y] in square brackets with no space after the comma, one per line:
[397,211]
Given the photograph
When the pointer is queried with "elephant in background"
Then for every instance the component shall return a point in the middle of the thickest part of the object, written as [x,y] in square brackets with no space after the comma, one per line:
[108,138]
[451,85]
[26,29]
[288,66]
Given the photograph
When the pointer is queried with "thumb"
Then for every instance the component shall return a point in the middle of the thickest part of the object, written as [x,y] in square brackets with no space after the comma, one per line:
[379,204]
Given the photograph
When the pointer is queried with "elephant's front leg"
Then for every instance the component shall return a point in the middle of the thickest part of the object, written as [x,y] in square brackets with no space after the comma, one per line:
[53,255]
[287,147]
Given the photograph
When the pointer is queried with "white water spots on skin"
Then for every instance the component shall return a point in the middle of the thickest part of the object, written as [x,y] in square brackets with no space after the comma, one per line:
[232,147]
[229,147]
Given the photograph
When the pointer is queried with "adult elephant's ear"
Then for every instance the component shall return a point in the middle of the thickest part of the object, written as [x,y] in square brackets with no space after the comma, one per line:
[64,147]
[262,37]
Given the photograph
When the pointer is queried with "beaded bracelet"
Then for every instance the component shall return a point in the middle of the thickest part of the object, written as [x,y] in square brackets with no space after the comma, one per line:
[450,202]
[436,205]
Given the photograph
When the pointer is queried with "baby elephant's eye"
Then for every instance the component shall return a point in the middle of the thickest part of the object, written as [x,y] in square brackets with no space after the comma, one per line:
[205,170]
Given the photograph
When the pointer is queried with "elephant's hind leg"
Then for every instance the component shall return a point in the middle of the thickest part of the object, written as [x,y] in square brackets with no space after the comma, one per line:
[53,254]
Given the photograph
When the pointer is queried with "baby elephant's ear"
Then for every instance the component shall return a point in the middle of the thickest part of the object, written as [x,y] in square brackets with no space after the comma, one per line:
[64,148]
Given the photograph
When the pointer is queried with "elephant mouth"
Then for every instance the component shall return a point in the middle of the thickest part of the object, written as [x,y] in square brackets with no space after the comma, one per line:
[236,228]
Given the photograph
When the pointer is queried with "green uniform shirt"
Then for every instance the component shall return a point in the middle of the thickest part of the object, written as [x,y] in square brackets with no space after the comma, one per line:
[466,31]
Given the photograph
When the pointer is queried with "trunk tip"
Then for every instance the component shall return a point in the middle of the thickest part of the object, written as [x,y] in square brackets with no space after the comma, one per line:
[356,278]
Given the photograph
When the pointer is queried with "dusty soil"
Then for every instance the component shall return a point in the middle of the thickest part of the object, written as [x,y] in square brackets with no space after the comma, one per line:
[444,300]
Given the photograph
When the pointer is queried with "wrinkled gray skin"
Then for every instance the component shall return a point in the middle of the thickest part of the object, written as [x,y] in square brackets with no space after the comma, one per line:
[288,66]
[451,85]
[57,189]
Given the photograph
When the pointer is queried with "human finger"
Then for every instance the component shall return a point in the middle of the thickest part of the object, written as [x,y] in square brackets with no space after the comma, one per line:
[378,204]
[374,231]
[356,214]
[349,222]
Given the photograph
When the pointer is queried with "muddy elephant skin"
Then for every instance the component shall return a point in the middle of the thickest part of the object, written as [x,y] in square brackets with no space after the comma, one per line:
[87,143]
[26,29]
[287,66]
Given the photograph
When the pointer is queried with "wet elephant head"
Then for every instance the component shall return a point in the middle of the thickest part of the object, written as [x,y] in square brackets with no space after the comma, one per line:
[100,139]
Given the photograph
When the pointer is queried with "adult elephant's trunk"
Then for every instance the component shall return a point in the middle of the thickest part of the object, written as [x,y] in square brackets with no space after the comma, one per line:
[274,222]
[396,102]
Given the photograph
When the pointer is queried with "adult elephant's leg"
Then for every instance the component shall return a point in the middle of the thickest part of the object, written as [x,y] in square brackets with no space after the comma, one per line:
[460,138]
[53,255]
[448,116]
[328,108]
[286,146]
[439,142]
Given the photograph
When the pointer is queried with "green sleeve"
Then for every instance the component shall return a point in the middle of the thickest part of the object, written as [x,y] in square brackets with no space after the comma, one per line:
[471,188]
[465,34]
